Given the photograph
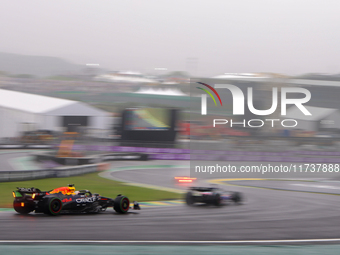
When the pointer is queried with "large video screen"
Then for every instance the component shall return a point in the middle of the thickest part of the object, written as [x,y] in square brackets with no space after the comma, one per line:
[148,119]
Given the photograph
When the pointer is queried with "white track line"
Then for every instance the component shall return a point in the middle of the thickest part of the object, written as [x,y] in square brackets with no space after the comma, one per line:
[174,242]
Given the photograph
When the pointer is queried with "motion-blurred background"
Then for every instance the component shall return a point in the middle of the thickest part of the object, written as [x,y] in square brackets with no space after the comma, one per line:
[84,83]
[117,55]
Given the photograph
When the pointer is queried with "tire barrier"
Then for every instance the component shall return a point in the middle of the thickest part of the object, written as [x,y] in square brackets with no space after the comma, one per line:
[91,159]
[159,151]
[143,153]
[124,156]
[69,161]
[27,146]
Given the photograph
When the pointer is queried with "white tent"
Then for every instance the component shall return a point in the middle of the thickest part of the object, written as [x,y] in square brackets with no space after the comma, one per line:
[124,77]
[161,91]
[18,109]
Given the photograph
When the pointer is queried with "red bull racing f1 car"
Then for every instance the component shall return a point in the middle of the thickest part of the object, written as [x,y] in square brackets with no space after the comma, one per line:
[66,200]
[211,195]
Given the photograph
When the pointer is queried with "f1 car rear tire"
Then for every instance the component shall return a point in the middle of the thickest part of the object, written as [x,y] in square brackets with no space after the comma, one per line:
[17,205]
[236,197]
[121,204]
[53,206]
[189,199]
[217,200]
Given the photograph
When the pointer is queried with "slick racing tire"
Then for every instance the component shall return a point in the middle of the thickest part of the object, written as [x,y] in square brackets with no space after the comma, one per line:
[236,197]
[53,206]
[217,199]
[121,204]
[189,199]
[25,209]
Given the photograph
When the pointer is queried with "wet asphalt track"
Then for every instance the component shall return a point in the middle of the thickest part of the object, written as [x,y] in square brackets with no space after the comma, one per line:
[266,214]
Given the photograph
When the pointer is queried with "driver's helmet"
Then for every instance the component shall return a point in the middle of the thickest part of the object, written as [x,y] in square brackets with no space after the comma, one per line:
[72,190]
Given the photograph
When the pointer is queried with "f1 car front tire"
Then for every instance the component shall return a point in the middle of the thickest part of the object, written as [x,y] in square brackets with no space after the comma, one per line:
[53,206]
[236,197]
[121,204]
[189,199]
[217,199]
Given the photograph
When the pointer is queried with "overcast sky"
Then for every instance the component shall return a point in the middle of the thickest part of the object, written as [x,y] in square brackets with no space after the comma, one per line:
[203,36]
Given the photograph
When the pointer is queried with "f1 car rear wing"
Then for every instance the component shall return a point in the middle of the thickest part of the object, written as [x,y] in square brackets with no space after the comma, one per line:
[31,192]
[28,190]
[203,189]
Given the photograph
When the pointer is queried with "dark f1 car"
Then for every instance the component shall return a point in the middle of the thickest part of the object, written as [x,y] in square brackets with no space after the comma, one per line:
[211,195]
[66,200]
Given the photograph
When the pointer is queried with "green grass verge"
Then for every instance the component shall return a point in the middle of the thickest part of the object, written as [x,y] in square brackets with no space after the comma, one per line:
[91,182]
